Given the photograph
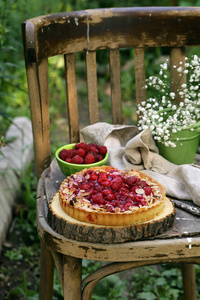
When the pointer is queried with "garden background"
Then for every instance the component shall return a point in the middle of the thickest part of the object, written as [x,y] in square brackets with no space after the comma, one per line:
[19,258]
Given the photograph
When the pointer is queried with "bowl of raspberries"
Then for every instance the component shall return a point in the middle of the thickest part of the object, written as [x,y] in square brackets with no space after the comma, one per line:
[75,157]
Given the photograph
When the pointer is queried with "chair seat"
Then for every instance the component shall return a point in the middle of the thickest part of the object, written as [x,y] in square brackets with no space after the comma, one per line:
[182,239]
[181,243]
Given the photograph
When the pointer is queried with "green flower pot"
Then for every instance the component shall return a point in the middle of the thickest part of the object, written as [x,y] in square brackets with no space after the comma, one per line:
[186,147]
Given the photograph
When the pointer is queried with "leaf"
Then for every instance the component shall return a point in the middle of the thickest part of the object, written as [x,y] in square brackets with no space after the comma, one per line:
[9,77]
[161,281]
[8,48]
[170,273]
[102,288]
[175,293]
[11,64]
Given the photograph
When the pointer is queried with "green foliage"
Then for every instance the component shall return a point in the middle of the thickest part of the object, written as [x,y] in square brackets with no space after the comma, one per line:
[23,290]
[26,208]
[153,283]
[110,288]
[13,254]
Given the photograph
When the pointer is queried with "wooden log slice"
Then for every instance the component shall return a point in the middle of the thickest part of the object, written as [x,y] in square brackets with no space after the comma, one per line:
[86,232]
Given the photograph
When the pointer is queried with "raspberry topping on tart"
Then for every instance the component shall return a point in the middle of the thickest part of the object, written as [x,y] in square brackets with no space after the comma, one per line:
[106,190]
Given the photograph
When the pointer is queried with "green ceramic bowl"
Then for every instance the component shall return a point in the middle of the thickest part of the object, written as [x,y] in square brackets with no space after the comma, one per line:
[69,168]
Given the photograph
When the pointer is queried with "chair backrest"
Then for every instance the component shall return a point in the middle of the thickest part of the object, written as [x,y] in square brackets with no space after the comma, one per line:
[88,31]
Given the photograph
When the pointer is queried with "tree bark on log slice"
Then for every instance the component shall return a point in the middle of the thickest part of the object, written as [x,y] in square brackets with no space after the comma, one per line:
[86,232]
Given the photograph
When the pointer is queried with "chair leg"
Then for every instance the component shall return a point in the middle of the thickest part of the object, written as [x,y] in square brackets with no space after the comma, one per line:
[72,270]
[189,281]
[46,274]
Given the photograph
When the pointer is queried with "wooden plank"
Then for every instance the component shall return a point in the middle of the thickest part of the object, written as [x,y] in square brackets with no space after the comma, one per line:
[97,29]
[37,75]
[72,99]
[46,273]
[115,86]
[58,260]
[139,58]
[92,87]
[72,277]
[177,55]
[189,281]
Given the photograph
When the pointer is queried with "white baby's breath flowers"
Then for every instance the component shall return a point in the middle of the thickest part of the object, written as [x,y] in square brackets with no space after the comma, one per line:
[160,113]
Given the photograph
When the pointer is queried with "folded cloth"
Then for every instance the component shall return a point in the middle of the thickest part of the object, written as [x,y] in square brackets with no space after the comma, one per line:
[129,148]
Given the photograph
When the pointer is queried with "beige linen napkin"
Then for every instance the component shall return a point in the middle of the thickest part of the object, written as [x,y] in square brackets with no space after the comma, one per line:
[129,148]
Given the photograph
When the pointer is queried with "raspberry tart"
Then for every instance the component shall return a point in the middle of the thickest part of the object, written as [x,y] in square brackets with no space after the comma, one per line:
[111,197]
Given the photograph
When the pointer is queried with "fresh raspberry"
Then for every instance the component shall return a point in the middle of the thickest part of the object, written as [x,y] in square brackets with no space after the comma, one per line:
[103,150]
[69,160]
[98,198]
[63,154]
[139,198]
[84,146]
[77,146]
[116,183]
[81,145]
[148,191]
[73,152]
[81,152]
[94,149]
[89,159]
[100,157]
[70,153]
[88,172]
[103,176]
[77,160]
[85,186]
[110,197]
[107,192]
[118,179]
[105,183]
[93,176]
[93,145]
[115,186]
[97,187]
[95,155]
[132,180]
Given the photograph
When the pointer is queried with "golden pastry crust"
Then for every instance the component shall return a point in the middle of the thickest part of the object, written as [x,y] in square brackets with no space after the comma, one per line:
[79,205]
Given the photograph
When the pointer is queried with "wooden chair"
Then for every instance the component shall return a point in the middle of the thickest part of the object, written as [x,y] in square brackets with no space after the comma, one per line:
[88,31]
